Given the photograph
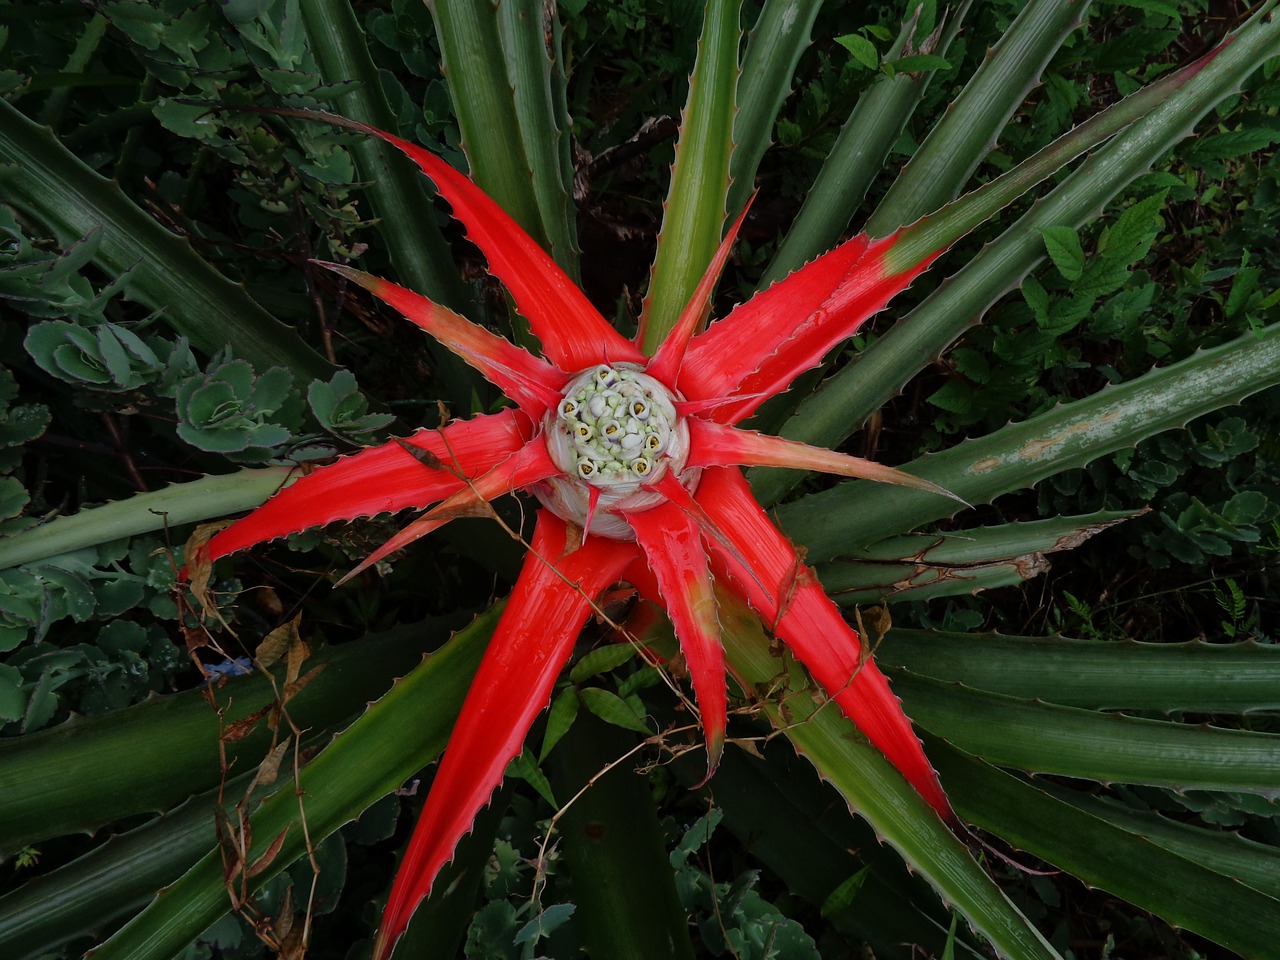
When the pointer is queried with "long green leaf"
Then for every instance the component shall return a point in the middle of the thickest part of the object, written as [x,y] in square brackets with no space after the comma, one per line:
[856,391]
[774,46]
[852,515]
[922,567]
[623,885]
[859,153]
[969,129]
[1184,892]
[510,136]
[391,741]
[392,183]
[1097,674]
[537,82]
[1047,738]
[985,544]
[181,503]
[55,188]
[88,772]
[393,186]
[114,880]
[694,215]
[875,789]
[1222,851]
[855,584]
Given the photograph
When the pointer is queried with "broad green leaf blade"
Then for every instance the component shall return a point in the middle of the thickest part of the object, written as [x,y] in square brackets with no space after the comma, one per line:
[856,584]
[1096,674]
[857,158]
[802,831]
[774,46]
[181,503]
[1043,737]
[622,881]
[970,128]
[89,772]
[48,183]
[923,566]
[1223,851]
[116,879]
[1180,890]
[511,138]
[388,744]
[536,75]
[695,210]
[856,391]
[858,513]
[407,221]
[875,789]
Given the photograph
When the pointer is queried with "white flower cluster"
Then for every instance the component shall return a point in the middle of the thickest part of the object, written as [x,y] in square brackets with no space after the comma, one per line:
[617,424]
[615,431]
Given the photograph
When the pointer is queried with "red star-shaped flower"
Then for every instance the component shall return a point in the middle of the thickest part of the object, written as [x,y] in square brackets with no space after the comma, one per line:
[635,461]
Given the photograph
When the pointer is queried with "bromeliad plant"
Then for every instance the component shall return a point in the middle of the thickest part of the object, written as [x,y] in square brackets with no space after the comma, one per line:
[634,460]
[632,446]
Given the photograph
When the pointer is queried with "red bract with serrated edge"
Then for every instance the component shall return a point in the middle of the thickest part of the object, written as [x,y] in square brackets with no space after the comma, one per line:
[635,461]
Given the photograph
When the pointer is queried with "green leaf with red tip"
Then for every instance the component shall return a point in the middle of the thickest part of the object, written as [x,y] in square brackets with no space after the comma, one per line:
[665,365]
[751,355]
[672,544]
[1180,98]
[800,613]
[874,790]
[380,479]
[551,601]
[533,383]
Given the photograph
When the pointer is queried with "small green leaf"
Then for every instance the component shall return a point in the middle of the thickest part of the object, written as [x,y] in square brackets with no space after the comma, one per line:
[1037,298]
[545,923]
[1130,237]
[564,710]
[601,660]
[1224,146]
[1063,247]
[916,63]
[526,768]
[863,50]
[842,896]
[13,701]
[611,708]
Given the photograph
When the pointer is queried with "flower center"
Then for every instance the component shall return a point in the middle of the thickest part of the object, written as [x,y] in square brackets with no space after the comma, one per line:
[615,431]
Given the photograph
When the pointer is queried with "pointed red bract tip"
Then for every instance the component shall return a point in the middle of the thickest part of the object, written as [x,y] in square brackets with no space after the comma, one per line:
[551,601]
[672,543]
